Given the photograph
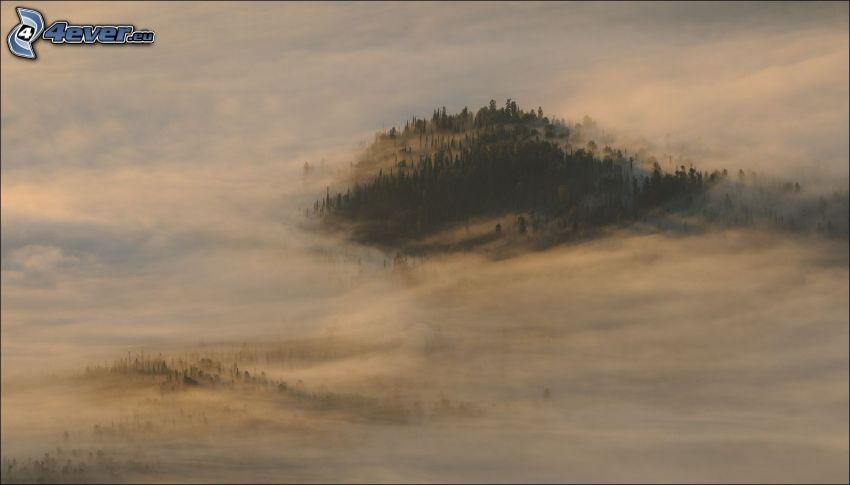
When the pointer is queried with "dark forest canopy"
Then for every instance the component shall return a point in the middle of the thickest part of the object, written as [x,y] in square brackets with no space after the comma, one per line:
[503,161]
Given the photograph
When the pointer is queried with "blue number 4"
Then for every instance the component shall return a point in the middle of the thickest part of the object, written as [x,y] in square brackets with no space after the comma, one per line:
[56,32]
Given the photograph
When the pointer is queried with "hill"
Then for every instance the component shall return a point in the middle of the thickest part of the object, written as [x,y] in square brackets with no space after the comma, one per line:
[537,177]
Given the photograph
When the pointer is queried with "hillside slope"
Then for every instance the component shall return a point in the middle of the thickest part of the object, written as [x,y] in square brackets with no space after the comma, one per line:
[508,170]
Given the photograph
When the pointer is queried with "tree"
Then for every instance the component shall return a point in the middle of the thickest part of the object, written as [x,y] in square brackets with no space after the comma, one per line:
[522,226]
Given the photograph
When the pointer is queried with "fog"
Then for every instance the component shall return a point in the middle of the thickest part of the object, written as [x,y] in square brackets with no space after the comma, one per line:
[719,357]
[153,200]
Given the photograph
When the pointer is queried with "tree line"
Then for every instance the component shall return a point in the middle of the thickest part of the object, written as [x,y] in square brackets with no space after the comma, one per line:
[503,160]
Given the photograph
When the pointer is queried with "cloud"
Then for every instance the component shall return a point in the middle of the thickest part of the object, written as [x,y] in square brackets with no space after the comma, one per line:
[37,257]
[775,103]
[162,162]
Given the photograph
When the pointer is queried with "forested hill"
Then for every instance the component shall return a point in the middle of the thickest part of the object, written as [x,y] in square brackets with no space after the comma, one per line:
[532,174]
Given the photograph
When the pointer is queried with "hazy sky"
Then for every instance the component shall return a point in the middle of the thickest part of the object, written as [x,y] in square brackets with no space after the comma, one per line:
[151,186]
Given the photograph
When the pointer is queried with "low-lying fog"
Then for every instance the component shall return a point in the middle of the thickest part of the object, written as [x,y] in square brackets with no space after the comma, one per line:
[165,225]
[638,357]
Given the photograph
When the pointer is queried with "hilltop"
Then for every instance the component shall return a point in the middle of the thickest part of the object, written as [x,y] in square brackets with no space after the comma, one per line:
[515,177]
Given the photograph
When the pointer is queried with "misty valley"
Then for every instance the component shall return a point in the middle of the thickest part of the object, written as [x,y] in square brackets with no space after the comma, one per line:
[425,242]
[506,298]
